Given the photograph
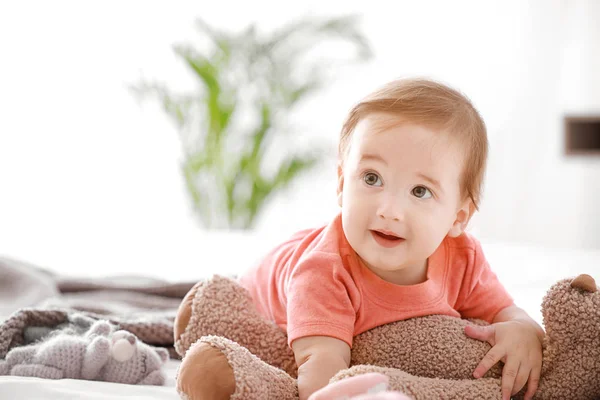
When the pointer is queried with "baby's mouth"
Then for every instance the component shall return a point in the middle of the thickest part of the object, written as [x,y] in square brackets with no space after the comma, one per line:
[387,239]
[387,235]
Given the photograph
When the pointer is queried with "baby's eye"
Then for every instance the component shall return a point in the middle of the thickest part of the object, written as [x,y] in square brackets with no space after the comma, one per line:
[422,192]
[372,179]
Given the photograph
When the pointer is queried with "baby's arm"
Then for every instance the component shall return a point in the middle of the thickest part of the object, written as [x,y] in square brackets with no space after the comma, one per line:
[516,339]
[318,358]
[514,313]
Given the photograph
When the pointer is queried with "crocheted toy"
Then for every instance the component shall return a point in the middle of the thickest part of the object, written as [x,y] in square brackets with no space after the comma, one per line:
[98,353]
[230,351]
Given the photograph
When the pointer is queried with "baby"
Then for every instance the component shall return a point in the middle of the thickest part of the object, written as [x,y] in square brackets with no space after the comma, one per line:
[412,158]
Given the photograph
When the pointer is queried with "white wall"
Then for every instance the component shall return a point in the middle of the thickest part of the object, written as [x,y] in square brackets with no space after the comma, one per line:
[536,194]
[90,181]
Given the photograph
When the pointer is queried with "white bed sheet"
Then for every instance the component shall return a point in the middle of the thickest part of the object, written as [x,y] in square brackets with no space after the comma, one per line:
[526,271]
[12,387]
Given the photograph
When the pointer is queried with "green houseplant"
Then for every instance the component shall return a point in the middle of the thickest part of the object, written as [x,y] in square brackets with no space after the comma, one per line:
[248,84]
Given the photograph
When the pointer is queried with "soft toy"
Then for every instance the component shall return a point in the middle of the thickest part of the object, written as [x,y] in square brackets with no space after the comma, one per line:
[370,386]
[230,351]
[100,353]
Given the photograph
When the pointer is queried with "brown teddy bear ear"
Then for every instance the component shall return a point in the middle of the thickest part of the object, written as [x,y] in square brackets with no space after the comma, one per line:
[584,282]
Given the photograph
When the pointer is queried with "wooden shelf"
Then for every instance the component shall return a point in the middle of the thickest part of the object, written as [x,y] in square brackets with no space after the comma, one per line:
[582,135]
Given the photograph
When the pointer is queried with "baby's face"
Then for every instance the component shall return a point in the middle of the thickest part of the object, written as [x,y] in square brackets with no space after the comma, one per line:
[399,189]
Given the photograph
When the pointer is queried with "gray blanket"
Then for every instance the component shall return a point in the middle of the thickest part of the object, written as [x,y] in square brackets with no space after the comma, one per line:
[34,297]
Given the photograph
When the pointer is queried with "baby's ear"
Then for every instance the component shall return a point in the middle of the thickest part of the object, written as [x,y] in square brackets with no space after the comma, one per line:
[463,216]
[340,185]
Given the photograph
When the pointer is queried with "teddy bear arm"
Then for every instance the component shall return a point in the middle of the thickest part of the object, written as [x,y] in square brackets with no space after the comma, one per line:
[96,356]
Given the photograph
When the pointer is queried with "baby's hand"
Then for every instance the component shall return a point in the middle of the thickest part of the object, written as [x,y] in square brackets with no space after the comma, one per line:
[517,345]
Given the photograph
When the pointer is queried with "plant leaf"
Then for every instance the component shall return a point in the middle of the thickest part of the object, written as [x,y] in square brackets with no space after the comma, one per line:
[262,189]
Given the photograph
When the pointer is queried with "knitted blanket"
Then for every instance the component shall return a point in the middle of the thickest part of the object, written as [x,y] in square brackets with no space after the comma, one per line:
[35,297]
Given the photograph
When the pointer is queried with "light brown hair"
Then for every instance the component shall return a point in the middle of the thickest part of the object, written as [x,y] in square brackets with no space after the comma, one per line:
[435,105]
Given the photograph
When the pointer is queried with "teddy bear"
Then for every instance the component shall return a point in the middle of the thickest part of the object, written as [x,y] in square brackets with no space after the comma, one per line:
[230,351]
[100,352]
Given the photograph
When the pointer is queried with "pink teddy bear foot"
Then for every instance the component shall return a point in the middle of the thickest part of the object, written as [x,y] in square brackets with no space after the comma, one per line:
[370,386]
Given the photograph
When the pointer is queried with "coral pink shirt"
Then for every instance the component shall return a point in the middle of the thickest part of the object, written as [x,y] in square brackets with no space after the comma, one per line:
[314,285]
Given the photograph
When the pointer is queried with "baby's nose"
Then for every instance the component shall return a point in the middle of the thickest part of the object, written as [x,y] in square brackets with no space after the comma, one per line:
[391,210]
[389,216]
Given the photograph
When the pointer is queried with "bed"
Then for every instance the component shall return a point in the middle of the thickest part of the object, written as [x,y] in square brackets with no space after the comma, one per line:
[527,272]
[35,388]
